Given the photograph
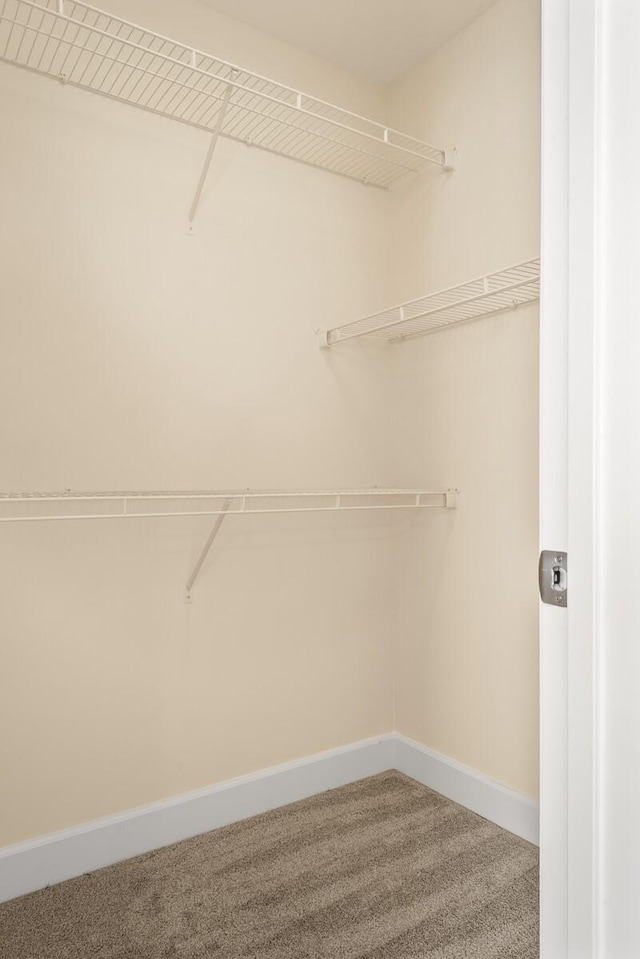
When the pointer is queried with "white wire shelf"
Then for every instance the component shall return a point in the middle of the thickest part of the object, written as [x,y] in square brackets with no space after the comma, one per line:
[477,298]
[37,507]
[89,48]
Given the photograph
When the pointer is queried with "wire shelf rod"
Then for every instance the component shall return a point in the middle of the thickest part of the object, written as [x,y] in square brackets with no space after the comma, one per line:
[68,496]
[252,512]
[138,504]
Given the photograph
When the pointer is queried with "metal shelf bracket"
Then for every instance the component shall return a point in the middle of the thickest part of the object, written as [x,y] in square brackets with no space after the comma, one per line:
[450,157]
[323,339]
[205,551]
[209,157]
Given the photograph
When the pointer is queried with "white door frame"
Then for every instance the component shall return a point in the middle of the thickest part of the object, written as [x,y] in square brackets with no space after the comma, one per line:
[570,317]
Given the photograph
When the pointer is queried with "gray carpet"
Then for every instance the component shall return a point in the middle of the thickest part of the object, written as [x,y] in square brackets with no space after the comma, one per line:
[381,869]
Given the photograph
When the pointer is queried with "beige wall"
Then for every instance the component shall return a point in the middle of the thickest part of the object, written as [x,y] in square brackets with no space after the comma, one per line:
[467,642]
[132,355]
[196,23]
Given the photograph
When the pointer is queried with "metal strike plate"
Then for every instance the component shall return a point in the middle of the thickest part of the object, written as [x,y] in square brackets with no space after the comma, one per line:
[552,577]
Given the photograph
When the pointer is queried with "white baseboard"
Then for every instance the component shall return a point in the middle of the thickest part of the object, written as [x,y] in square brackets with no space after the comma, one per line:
[488,798]
[28,866]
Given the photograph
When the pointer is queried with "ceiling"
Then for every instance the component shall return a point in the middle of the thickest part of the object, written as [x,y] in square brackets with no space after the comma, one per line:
[377,39]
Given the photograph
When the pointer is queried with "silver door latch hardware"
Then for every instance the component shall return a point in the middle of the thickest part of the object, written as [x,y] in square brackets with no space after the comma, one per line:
[552,577]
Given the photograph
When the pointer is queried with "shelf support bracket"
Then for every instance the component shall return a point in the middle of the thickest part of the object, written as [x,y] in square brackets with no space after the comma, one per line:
[207,162]
[205,550]
[449,160]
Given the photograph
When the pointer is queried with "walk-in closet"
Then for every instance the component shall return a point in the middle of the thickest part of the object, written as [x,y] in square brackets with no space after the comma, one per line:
[269,486]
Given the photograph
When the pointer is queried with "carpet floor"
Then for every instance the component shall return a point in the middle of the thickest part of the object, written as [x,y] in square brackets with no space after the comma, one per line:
[381,869]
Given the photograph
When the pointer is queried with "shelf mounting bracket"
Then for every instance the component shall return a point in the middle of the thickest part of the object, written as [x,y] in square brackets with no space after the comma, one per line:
[323,339]
[450,157]
[205,551]
[207,162]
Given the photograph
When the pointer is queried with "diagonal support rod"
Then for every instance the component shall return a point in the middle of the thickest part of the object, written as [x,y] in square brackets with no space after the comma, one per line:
[207,163]
[207,546]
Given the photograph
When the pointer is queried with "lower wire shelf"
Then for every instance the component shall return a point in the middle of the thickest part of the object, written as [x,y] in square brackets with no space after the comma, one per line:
[69,505]
[131,504]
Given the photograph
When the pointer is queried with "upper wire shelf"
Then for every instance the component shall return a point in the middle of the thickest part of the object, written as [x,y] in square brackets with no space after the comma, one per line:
[488,294]
[89,48]
[23,507]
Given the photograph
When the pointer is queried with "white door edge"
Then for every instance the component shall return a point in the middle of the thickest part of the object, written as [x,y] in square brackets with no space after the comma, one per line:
[569,490]
[553,475]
